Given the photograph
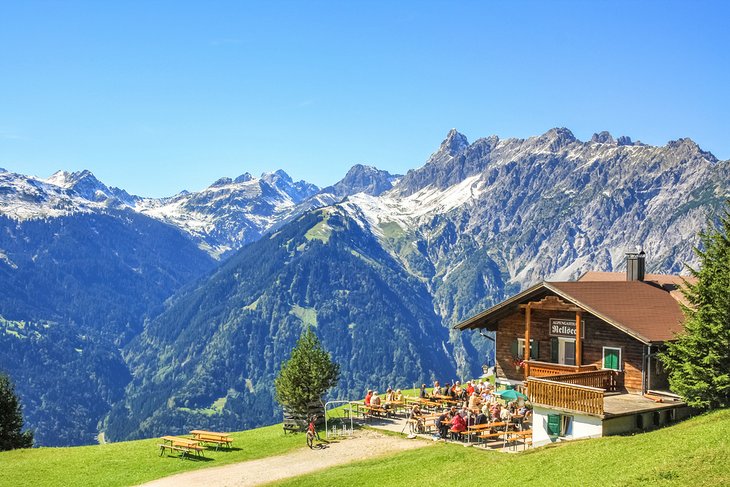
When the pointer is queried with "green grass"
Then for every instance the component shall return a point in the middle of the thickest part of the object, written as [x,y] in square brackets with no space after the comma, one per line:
[694,452]
[131,462]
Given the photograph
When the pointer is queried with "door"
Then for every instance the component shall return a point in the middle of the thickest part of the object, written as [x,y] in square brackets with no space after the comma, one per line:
[566,351]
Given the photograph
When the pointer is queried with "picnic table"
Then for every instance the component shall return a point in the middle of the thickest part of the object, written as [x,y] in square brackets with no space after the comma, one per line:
[185,446]
[212,437]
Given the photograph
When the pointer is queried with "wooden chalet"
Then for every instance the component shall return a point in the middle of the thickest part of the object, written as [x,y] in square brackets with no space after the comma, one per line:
[577,346]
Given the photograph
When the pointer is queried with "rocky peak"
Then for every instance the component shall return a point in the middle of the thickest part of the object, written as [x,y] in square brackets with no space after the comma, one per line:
[454,143]
[603,137]
[689,147]
[298,191]
[362,179]
[221,182]
[243,178]
[557,138]
[624,140]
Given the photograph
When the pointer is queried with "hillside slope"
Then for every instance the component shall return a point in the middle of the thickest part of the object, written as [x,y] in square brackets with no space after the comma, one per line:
[209,359]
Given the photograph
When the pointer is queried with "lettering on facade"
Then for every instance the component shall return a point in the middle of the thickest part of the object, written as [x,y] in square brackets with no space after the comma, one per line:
[565,328]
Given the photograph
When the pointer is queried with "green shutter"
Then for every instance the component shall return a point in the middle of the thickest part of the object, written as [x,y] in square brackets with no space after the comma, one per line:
[534,349]
[553,424]
[514,347]
[610,359]
[554,349]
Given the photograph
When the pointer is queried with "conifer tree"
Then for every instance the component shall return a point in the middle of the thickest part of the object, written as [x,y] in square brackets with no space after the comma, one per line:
[11,419]
[699,360]
[307,375]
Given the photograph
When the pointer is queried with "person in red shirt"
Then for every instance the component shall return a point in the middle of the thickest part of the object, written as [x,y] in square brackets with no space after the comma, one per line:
[368,396]
[469,389]
[458,424]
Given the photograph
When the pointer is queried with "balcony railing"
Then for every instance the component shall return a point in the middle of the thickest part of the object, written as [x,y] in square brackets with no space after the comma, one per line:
[574,397]
[544,369]
[601,379]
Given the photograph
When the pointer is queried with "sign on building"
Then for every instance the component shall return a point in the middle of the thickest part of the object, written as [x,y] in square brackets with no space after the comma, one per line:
[565,328]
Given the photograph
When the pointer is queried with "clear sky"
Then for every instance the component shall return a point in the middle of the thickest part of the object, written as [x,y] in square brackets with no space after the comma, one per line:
[156,97]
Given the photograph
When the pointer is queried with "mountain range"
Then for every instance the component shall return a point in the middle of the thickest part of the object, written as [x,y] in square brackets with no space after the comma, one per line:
[193,301]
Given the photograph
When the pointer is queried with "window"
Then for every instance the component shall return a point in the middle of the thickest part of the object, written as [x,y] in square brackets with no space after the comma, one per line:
[559,425]
[612,358]
[518,349]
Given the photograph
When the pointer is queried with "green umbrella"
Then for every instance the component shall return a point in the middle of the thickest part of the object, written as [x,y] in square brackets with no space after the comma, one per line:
[511,395]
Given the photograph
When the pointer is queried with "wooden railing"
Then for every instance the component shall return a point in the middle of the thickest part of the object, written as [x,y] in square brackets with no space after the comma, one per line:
[563,395]
[602,379]
[544,369]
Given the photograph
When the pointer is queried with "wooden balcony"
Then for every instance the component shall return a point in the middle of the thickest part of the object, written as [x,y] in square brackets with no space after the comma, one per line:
[578,391]
[544,369]
[572,397]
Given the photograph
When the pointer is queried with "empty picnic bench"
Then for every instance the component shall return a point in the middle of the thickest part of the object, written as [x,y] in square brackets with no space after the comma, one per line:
[212,437]
[184,446]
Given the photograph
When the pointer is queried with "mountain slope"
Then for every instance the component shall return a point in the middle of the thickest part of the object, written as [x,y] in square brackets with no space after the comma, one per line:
[210,358]
[73,290]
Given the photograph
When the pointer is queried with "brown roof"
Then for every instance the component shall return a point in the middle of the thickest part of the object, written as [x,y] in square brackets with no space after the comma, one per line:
[641,309]
[644,310]
[671,283]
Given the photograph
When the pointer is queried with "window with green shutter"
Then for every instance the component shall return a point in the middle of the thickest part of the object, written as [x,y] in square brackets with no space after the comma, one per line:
[611,358]
[553,424]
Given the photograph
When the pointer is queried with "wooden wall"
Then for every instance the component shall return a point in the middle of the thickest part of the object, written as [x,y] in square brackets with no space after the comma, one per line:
[597,335]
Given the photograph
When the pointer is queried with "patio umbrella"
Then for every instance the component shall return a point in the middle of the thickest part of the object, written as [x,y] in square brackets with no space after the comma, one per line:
[511,395]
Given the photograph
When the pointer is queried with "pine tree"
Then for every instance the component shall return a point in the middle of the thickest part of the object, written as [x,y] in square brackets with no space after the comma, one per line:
[11,419]
[699,360]
[307,375]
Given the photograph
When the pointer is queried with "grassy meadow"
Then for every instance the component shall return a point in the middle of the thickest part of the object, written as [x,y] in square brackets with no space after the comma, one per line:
[695,452]
[131,462]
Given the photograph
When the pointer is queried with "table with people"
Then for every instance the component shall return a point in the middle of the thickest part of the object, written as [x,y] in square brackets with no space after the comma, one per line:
[472,411]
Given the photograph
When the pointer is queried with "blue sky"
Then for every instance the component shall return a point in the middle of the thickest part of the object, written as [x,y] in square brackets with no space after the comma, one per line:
[156,97]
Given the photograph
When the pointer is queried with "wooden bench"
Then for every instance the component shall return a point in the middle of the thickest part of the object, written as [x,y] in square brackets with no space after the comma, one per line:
[183,445]
[217,439]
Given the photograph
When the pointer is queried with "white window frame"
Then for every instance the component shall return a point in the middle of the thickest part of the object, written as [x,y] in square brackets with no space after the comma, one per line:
[521,348]
[561,349]
[620,361]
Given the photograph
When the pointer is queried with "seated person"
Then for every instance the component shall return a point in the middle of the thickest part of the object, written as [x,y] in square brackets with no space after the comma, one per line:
[375,400]
[423,394]
[398,396]
[483,418]
[368,396]
[443,423]
[458,424]
[456,391]
[470,389]
[474,401]
[436,389]
[417,419]
[505,415]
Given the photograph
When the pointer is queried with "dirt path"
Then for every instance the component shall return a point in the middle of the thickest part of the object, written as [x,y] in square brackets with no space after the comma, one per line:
[366,444]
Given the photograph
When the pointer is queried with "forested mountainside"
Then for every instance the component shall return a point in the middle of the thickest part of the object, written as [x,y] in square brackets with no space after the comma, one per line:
[73,290]
[211,357]
[383,272]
